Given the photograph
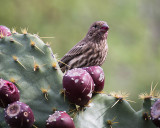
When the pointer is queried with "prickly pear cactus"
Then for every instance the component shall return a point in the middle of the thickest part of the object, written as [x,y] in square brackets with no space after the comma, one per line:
[30,64]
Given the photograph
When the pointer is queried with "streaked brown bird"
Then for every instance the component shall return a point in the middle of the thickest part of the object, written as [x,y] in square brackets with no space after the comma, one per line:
[90,51]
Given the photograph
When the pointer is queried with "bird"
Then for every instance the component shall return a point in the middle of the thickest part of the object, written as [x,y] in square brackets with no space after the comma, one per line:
[90,51]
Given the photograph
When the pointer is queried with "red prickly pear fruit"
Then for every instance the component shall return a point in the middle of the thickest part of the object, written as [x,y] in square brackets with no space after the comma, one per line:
[4,31]
[98,77]
[19,115]
[60,119]
[155,113]
[78,86]
[9,93]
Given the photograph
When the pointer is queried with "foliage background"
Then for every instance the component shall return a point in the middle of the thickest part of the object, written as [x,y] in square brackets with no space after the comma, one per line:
[134,37]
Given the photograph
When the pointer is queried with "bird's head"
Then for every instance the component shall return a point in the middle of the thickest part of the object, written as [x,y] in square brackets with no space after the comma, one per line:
[98,30]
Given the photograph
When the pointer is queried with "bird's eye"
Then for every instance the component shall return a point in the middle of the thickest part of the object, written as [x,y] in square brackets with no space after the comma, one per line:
[95,26]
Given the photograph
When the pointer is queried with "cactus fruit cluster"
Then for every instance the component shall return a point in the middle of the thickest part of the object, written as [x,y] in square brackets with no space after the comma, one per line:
[29,64]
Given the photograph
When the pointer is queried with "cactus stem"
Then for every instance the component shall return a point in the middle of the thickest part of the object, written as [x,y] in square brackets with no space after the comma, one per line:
[16,60]
[14,41]
[34,45]
[45,92]
[24,30]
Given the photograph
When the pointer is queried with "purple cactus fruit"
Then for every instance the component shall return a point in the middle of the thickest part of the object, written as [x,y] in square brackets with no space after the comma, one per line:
[4,31]
[78,86]
[98,77]
[19,115]
[9,93]
[155,113]
[60,119]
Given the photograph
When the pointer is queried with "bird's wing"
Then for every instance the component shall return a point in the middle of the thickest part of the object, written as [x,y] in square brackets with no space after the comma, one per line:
[76,50]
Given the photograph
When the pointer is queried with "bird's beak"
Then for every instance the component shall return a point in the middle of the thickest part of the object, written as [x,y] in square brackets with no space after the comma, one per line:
[105,28]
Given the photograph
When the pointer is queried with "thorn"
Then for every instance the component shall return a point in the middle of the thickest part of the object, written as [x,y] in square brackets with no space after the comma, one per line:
[14,41]
[16,60]
[35,126]
[153,90]
[47,37]
[48,44]
[24,31]
[152,93]
[130,101]
[37,35]
[34,45]
[14,30]
[1,34]
[62,63]
[111,122]
[115,103]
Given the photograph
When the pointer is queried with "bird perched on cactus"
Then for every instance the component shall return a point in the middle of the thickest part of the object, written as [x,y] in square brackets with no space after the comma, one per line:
[90,51]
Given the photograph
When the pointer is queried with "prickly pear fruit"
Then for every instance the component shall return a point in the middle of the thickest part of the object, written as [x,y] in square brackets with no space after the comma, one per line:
[78,86]
[155,113]
[9,93]
[4,31]
[19,115]
[60,119]
[97,75]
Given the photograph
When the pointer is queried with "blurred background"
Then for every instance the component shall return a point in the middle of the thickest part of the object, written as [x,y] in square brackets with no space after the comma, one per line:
[133,62]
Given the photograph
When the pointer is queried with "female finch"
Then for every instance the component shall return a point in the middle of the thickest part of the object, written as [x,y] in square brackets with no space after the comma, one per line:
[90,51]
